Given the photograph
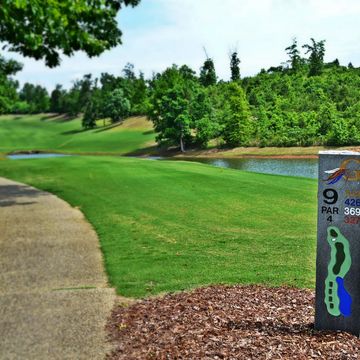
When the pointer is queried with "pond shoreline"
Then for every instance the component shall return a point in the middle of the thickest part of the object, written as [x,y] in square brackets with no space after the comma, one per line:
[215,155]
[242,152]
[295,153]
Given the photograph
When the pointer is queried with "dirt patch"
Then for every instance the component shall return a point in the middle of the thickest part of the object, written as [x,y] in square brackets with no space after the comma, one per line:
[223,322]
[134,123]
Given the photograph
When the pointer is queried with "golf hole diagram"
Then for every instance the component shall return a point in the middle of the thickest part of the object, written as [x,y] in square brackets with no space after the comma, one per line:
[337,299]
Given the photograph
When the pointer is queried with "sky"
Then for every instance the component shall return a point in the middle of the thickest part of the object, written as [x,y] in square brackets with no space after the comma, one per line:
[159,33]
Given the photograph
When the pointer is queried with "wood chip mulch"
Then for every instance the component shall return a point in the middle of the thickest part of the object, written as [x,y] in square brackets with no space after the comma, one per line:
[226,322]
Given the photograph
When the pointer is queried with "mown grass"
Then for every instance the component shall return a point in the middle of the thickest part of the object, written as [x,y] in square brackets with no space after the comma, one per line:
[46,132]
[166,226]
[135,135]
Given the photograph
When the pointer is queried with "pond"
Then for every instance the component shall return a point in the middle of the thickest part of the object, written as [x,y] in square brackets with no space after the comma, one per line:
[34,156]
[292,167]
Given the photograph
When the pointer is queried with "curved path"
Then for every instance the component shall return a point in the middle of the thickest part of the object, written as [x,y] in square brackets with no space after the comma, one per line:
[54,296]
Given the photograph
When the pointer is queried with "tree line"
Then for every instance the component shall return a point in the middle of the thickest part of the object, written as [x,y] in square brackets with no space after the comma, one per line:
[304,101]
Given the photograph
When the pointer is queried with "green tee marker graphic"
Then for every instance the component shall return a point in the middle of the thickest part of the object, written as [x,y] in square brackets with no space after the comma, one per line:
[337,299]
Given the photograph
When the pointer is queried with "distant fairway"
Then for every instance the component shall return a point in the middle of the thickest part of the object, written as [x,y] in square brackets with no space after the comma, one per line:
[55,133]
[168,226]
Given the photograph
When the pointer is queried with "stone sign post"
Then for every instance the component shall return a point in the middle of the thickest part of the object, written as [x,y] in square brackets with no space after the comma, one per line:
[338,242]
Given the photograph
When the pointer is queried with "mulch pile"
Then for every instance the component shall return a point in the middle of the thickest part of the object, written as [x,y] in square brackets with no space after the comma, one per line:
[226,322]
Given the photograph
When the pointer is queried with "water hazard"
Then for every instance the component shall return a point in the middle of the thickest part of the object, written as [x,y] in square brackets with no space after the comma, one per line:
[34,156]
[291,167]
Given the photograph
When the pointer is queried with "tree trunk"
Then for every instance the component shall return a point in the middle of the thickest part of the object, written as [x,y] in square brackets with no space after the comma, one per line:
[182,147]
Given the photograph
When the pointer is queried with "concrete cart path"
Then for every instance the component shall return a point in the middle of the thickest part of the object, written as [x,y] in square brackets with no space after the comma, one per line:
[54,296]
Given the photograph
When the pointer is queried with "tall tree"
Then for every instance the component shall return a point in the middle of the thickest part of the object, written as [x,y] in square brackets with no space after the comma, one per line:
[117,106]
[139,101]
[235,66]
[57,99]
[129,72]
[207,73]
[89,118]
[44,29]
[237,120]
[36,96]
[172,106]
[85,89]
[316,58]
[294,55]
[8,86]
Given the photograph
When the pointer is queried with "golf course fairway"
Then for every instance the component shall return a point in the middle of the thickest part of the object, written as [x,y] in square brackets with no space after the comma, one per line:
[167,226]
[56,133]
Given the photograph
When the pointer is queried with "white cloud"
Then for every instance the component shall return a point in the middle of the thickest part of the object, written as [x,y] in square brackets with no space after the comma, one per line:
[161,32]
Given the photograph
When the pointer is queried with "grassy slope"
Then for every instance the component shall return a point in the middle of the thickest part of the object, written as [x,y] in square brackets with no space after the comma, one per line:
[167,226]
[46,133]
[134,136]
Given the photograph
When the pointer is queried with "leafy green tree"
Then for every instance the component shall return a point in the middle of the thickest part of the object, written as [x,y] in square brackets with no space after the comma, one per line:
[9,67]
[235,67]
[71,102]
[129,72]
[294,55]
[117,106]
[135,89]
[175,124]
[316,58]
[339,134]
[174,106]
[76,99]
[139,101]
[36,96]
[238,123]
[90,116]
[85,86]
[57,99]
[207,114]
[108,82]
[207,73]
[336,62]
[8,87]
[44,29]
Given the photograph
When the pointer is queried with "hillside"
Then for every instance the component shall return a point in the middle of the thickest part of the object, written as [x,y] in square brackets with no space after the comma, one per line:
[46,132]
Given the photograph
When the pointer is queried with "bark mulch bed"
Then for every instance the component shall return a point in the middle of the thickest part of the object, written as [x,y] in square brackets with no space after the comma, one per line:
[226,322]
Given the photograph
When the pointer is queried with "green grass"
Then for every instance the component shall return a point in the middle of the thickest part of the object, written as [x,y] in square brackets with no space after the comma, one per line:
[167,226]
[56,133]
[135,135]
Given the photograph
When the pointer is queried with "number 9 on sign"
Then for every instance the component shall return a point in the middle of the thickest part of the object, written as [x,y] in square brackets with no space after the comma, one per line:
[331,196]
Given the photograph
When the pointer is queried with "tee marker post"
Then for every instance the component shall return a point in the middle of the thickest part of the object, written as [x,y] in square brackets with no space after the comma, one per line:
[337,304]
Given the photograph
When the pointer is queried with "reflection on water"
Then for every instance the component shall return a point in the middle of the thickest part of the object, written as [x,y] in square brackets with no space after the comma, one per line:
[292,167]
[34,156]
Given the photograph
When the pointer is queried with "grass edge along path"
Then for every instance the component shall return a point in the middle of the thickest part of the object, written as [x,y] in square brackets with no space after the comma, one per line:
[168,226]
[54,295]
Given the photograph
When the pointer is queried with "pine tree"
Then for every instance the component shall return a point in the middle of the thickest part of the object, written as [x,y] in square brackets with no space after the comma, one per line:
[207,73]
[234,67]
[294,54]
[89,119]
[316,58]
